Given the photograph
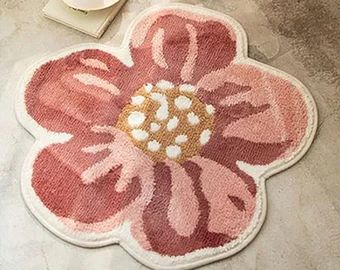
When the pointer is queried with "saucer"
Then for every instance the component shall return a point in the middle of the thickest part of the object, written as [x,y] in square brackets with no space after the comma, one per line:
[89,5]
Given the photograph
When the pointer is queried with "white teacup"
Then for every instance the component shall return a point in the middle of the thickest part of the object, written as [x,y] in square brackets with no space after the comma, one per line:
[90,4]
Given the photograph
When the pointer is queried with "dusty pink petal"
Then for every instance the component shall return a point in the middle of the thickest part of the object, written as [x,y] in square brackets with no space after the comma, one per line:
[287,113]
[183,207]
[192,46]
[132,213]
[261,127]
[57,178]
[161,236]
[231,204]
[265,123]
[63,192]
[80,90]
[227,91]
[227,151]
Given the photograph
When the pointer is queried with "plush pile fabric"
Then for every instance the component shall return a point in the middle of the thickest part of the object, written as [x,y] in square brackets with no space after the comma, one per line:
[162,145]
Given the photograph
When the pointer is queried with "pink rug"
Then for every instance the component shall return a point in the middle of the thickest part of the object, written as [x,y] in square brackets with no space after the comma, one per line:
[162,145]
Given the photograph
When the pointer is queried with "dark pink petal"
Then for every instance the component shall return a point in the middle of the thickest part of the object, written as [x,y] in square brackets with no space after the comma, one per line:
[181,46]
[57,181]
[80,90]
[221,93]
[161,235]
[227,151]
[231,114]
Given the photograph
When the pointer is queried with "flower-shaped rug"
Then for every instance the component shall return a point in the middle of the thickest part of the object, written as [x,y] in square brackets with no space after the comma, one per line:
[162,145]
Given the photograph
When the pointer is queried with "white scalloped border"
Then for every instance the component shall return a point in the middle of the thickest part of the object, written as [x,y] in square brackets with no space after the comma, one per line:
[122,234]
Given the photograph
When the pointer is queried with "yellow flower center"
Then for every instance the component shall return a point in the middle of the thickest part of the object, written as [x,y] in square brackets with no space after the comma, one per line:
[167,121]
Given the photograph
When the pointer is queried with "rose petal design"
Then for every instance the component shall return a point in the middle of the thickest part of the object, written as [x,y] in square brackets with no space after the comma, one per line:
[79,90]
[57,181]
[161,236]
[196,46]
[183,206]
[262,123]
[231,203]
[58,176]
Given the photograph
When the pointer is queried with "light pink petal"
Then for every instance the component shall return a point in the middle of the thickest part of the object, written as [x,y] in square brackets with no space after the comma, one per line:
[187,71]
[157,49]
[261,127]
[124,153]
[255,109]
[183,208]
[287,114]
[231,204]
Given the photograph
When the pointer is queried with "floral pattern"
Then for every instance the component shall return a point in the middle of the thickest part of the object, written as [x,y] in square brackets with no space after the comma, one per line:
[181,190]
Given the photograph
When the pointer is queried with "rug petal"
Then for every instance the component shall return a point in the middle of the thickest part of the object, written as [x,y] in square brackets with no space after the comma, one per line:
[215,96]
[182,46]
[231,203]
[227,151]
[79,90]
[58,178]
[183,206]
[265,123]
[161,235]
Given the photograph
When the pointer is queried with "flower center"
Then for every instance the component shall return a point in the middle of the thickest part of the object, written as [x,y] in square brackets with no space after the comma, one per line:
[167,121]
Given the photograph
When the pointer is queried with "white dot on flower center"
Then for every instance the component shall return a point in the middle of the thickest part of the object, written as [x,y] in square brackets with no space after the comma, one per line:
[173,151]
[148,87]
[135,119]
[183,103]
[188,88]
[164,85]
[205,136]
[154,146]
[163,112]
[181,139]
[210,109]
[173,123]
[137,100]
[139,134]
[193,118]
[154,127]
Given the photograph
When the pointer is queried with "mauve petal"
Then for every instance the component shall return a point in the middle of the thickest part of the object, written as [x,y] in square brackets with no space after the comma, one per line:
[265,123]
[160,234]
[58,177]
[227,151]
[80,90]
[62,191]
[215,96]
[182,47]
